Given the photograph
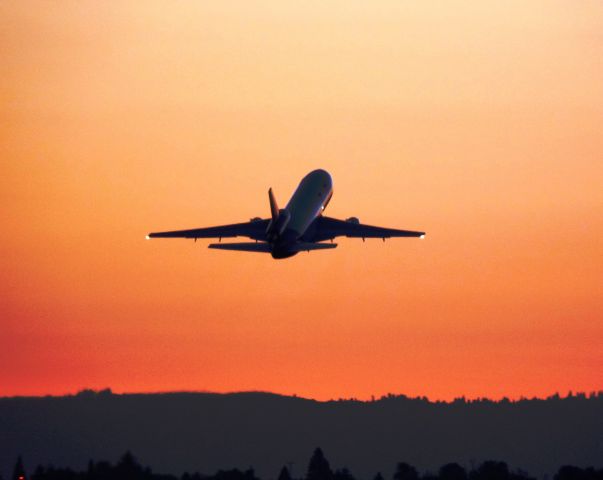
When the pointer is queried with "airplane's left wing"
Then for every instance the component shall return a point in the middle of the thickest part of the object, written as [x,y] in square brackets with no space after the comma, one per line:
[327,228]
[254,229]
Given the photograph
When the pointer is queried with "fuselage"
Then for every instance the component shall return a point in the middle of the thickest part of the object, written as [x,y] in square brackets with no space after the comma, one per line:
[306,204]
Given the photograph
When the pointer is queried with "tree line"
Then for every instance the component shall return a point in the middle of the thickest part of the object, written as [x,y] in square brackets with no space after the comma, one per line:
[128,468]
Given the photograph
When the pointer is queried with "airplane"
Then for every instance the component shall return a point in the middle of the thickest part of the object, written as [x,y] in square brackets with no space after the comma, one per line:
[300,226]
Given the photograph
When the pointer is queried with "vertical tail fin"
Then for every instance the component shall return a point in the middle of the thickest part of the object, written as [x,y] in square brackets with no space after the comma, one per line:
[273,205]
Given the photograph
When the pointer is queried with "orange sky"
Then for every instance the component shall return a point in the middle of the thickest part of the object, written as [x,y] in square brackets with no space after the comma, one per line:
[478,122]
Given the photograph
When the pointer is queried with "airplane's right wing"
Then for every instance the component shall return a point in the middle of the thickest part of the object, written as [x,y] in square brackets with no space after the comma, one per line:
[327,228]
[254,229]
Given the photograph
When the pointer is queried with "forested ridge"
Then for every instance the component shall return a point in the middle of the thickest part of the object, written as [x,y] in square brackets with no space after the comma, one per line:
[206,432]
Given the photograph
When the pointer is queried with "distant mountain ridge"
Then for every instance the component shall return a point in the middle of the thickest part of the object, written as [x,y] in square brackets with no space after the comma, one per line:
[176,432]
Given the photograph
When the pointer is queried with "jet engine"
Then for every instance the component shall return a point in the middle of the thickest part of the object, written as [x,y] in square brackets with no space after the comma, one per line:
[353,220]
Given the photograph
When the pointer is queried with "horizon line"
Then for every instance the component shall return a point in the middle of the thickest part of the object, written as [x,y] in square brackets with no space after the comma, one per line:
[373,399]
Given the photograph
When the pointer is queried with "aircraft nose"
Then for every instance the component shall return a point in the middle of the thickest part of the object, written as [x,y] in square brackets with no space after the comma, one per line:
[323,176]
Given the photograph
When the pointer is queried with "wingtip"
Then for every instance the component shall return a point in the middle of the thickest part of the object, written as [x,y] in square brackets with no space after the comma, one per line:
[147,237]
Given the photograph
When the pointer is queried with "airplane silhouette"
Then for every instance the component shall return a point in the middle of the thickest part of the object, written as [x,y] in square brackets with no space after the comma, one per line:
[298,227]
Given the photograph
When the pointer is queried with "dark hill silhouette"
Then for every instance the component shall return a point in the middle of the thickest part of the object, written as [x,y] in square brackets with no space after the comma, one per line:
[206,432]
[128,468]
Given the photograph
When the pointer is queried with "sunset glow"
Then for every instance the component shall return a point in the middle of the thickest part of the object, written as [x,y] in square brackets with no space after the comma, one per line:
[480,123]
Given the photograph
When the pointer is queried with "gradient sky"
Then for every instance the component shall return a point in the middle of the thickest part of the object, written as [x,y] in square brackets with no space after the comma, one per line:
[478,122]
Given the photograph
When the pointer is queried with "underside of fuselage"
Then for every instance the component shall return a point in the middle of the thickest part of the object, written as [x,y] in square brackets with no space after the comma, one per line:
[288,250]
[283,253]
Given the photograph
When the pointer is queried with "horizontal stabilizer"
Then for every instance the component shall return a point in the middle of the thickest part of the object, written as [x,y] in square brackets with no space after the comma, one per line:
[242,246]
[304,247]
[263,247]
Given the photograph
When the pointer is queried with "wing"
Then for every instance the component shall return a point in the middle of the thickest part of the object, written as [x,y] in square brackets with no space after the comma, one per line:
[326,228]
[255,229]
